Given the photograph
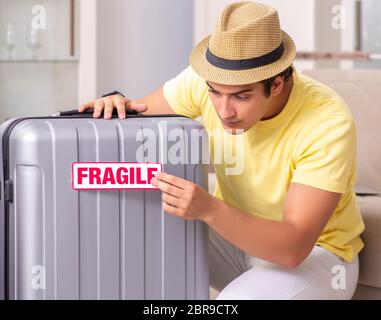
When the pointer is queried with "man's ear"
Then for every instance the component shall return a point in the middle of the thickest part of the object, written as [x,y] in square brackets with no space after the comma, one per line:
[277,86]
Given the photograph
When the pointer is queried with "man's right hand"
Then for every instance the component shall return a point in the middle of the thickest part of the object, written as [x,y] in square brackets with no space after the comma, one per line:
[107,104]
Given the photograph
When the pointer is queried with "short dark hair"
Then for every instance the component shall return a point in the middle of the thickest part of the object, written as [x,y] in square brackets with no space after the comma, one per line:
[268,83]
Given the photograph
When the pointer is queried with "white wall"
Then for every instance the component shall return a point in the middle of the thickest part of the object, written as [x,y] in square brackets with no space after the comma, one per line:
[87,73]
[327,31]
[139,45]
[347,41]
[37,89]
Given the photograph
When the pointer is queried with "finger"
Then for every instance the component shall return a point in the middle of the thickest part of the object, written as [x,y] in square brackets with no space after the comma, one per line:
[173,180]
[169,209]
[167,188]
[173,201]
[98,108]
[139,107]
[120,106]
[108,109]
[86,105]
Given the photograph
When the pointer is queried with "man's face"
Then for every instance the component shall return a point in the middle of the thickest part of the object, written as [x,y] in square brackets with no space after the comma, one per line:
[239,107]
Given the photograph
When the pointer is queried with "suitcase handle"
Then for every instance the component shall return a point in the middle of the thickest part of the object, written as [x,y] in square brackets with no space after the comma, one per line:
[89,112]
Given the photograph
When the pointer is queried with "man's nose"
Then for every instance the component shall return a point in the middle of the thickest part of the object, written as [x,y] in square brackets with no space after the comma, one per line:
[226,110]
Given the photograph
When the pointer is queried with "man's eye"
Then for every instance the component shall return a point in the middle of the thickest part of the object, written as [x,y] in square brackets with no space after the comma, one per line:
[214,92]
[242,97]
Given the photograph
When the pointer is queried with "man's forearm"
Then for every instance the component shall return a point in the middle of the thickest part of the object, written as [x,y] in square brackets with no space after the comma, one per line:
[275,241]
[156,102]
[278,241]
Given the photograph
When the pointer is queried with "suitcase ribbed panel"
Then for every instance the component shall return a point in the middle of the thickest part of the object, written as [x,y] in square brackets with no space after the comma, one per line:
[114,244]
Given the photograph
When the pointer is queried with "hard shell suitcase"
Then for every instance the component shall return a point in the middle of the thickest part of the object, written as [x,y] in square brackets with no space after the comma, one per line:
[60,243]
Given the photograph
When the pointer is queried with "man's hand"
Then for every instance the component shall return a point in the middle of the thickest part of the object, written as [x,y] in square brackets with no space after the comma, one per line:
[107,104]
[155,103]
[184,198]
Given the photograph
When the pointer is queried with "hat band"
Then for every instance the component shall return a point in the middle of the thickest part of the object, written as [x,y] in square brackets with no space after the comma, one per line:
[245,64]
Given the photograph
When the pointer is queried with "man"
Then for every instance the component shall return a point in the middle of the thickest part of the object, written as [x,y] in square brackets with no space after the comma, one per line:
[287,226]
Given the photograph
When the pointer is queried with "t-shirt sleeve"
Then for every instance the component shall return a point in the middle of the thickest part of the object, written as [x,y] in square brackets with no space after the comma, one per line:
[326,156]
[186,93]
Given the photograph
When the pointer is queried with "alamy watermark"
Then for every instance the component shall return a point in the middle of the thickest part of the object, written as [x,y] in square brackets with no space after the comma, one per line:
[339,20]
[39,17]
[38,277]
[178,146]
[339,280]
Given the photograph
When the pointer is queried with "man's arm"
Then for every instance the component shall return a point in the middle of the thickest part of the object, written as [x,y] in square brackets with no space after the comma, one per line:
[287,242]
[154,103]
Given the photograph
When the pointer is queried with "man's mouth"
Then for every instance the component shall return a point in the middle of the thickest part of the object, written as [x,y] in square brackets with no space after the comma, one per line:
[231,123]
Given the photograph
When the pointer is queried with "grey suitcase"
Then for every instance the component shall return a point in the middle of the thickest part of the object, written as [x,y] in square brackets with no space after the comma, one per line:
[60,243]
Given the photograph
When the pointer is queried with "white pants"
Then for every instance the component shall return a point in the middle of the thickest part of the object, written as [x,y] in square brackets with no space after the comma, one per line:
[322,275]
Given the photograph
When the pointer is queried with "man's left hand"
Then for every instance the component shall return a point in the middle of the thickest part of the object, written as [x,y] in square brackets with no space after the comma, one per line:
[184,198]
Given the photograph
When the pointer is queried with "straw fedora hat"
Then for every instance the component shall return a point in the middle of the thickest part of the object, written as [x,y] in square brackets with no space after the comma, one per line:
[247,46]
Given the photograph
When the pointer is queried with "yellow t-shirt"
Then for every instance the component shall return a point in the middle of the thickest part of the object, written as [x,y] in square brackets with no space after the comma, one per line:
[312,142]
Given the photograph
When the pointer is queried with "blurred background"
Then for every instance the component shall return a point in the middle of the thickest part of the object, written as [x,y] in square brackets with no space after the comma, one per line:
[55,54]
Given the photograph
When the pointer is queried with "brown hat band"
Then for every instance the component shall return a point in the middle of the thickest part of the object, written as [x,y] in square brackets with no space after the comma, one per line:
[245,64]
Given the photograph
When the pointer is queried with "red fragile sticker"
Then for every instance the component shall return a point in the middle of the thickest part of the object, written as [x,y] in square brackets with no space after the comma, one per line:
[113,175]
